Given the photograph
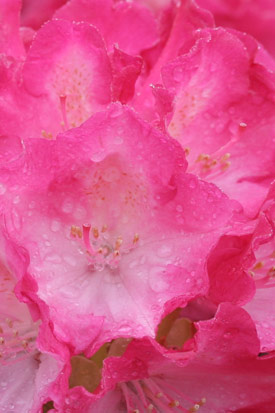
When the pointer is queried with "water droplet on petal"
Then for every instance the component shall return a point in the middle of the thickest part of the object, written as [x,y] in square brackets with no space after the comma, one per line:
[164,251]
[2,189]
[55,225]
[157,281]
[178,74]
[116,111]
[67,206]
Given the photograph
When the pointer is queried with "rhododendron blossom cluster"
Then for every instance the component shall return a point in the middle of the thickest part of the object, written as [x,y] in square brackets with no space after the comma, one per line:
[137,205]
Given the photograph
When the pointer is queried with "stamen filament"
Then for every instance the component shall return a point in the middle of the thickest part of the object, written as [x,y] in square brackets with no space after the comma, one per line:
[63,110]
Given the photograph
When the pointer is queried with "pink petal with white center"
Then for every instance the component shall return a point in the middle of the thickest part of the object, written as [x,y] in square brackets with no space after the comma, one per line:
[114,231]
[27,377]
[113,20]
[68,62]
[198,91]
[26,384]
[178,38]
[221,72]
[19,110]
[17,385]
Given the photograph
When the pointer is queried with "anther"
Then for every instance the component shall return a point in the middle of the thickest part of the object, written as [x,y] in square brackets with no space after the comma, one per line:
[76,231]
[225,157]
[24,344]
[136,238]
[150,408]
[258,265]
[226,165]
[202,401]
[46,134]
[174,403]
[2,340]
[63,111]
[95,232]
[118,243]
[104,228]
[195,408]
[203,157]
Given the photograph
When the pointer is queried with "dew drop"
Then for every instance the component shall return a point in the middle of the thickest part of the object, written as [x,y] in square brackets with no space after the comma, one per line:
[67,206]
[116,111]
[16,200]
[177,74]
[165,251]
[97,156]
[2,189]
[157,281]
[53,258]
[55,225]
[118,140]
[70,260]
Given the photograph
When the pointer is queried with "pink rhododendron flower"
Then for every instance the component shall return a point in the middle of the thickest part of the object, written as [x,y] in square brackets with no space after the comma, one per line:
[114,208]
[76,74]
[137,173]
[28,377]
[208,78]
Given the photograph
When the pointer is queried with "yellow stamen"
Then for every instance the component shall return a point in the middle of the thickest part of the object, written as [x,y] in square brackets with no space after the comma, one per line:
[226,165]
[118,243]
[24,344]
[225,157]
[195,408]
[76,231]
[174,403]
[95,232]
[136,238]
[258,265]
